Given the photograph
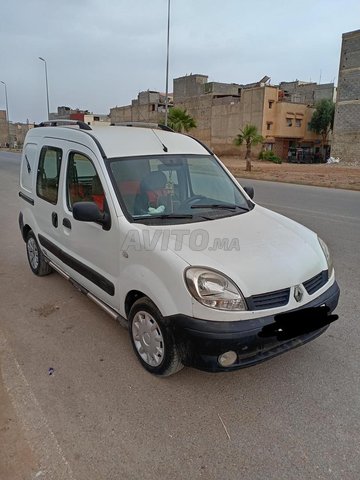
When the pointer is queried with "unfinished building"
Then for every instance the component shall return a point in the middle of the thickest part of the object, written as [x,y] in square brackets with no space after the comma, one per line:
[346,133]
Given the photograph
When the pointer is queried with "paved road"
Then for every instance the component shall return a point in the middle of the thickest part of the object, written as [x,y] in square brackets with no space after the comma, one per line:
[101,416]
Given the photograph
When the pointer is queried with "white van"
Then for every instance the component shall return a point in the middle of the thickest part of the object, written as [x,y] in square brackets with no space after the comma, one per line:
[152,227]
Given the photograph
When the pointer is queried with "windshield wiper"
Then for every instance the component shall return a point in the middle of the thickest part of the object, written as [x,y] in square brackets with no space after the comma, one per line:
[224,206]
[165,216]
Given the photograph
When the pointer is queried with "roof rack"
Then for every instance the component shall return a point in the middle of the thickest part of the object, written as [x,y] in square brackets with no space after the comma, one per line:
[65,123]
[157,126]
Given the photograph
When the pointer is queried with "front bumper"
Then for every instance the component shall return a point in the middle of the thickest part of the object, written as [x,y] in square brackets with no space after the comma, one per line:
[200,342]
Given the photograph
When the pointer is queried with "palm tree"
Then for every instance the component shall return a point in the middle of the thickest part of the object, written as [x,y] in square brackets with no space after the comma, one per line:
[180,121]
[250,136]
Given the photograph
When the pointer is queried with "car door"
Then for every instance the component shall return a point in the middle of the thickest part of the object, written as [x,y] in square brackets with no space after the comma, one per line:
[91,252]
[48,197]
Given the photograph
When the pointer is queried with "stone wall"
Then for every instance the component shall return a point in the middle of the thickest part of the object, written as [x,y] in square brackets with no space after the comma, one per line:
[346,134]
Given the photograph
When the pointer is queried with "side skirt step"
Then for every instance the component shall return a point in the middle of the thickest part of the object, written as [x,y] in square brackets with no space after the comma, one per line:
[110,311]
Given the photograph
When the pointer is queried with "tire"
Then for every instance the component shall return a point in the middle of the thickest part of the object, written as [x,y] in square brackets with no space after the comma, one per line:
[36,259]
[152,340]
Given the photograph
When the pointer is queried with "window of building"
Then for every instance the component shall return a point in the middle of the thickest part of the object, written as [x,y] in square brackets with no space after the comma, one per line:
[298,122]
[271,103]
[83,183]
[47,181]
[289,121]
[268,125]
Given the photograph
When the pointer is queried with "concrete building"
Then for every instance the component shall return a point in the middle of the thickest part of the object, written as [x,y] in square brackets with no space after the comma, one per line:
[17,132]
[149,106]
[346,133]
[221,110]
[91,118]
[67,113]
[4,134]
[307,92]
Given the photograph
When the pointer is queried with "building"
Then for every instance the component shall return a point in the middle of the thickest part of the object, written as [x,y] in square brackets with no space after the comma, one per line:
[12,134]
[307,92]
[149,106]
[221,110]
[67,113]
[4,132]
[346,132]
[281,113]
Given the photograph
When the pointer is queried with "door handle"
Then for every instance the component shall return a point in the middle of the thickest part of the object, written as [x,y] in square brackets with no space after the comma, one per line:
[54,219]
[67,223]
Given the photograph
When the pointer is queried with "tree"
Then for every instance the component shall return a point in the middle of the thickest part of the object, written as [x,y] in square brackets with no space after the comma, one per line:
[250,136]
[180,121]
[322,120]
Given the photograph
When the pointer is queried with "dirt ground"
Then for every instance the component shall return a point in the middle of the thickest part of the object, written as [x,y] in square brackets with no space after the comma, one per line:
[322,175]
[16,458]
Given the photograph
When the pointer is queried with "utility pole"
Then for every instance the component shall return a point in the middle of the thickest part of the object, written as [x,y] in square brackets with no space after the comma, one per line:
[47,86]
[167,65]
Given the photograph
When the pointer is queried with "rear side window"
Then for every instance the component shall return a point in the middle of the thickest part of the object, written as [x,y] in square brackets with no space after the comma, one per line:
[47,182]
[83,183]
[28,166]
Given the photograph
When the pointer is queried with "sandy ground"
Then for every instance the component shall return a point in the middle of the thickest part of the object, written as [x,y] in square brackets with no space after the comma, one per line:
[16,458]
[322,175]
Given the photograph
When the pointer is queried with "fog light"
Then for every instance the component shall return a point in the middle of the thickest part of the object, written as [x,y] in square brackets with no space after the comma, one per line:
[227,359]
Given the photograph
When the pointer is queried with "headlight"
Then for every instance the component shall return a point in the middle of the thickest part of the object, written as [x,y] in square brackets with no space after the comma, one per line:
[327,256]
[214,289]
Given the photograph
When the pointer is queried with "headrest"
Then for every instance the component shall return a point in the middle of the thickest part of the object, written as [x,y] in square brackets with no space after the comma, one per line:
[154,181]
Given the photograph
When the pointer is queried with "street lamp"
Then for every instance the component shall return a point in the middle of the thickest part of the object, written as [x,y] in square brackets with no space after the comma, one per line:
[47,86]
[7,111]
[167,65]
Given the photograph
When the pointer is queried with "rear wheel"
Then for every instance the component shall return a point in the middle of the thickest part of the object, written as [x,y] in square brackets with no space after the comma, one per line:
[36,259]
[152,340]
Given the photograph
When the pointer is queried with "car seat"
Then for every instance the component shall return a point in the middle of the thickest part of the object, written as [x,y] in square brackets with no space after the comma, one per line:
[152,192]
[97,193]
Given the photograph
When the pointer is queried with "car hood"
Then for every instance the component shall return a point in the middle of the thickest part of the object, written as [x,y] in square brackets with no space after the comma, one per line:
[266,251]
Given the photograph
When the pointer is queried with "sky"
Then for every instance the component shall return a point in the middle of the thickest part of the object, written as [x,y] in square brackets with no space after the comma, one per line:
[102,53]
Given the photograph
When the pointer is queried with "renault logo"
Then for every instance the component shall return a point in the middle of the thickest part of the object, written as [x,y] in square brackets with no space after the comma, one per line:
[298,293]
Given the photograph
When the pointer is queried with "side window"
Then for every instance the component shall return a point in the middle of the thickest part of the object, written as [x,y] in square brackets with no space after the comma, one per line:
[28,166]
[47,182]
[83,183]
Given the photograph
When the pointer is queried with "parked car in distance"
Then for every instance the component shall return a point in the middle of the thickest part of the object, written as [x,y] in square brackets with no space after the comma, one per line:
[152,227]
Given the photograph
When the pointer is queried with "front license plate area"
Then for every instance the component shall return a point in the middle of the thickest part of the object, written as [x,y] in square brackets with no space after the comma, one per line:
[299,322]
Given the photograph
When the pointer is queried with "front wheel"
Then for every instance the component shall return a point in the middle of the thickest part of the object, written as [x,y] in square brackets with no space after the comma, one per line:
[37,261]
[152,341]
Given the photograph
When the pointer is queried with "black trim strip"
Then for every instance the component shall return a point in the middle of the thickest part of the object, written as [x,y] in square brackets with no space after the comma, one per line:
[79,267]
[208,149]
[98,144]
[26,198]
[21,225]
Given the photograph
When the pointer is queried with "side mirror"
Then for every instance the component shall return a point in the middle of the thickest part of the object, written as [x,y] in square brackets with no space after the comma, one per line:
[249,190]
[89,212]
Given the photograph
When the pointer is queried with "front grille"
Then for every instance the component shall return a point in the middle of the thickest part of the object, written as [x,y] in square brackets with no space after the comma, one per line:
[315,283]
[279,298]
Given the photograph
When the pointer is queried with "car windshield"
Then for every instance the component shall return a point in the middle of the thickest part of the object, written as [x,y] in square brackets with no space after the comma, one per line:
[175,188]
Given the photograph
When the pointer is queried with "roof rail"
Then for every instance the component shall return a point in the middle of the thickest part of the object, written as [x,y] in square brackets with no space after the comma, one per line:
[65,123]
[158,126]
